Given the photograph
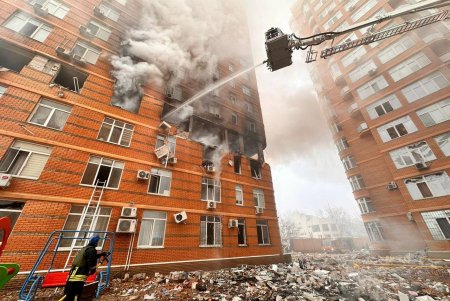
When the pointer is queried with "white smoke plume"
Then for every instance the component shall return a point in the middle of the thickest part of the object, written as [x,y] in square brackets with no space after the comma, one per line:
[189,35]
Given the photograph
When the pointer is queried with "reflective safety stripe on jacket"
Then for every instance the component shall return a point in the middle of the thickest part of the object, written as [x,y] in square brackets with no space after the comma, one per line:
[74,277]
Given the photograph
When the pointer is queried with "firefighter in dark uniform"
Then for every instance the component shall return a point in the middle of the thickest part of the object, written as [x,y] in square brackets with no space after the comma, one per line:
[84,264]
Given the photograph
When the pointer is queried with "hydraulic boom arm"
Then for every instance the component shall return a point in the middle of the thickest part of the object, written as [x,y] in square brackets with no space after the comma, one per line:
[279,46]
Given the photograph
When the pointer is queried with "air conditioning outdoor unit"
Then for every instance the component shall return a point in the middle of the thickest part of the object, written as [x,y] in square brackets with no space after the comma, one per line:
[421,165]
[143,175]
[126,225]
[98,12]
[5,180]
[180,217]
[232,223]
[392,186]
[211,205]
[259,210]
[173,160]
[85,31]
[162,151]
[77,59]
[164,126]
[129,212]
[39,10]
[410,216]
[210,168]
[62,52]
[372,72]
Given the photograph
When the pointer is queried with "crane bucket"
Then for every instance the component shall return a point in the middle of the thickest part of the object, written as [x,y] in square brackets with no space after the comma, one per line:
[279,53]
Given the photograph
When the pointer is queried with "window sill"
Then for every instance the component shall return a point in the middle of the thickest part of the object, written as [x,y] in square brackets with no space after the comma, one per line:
[46,127]
[157,194]
[211,201]
[212,246]
[264,245]
[127,146]
[256,178]
[149,247]
[92,186]
[243,245]
[240,205]
[26,178]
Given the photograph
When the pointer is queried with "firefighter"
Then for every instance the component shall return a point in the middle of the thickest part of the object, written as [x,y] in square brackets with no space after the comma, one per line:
[84,264]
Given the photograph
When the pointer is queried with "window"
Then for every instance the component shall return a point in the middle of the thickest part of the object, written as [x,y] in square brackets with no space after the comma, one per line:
[262,228]
[11,209]
[73,223]
[70,78]
[123,2]
[362,70]
[210,231]
[101,170]
[115,131]
[159,182]
[247,91]
[53,7]
[153,228]
[396,129]
[325,227]
[251,127]
[328,10]
[335,128]
[374,231]
[365,205]
[335,71]
[357,182]
[444,143]
[255,168]
[237,164]
[171,141]
[98,30]
[315,228]
[342,144]
[372,87]
[258,198]
[353,56]
[24,24]
[395,49]
[424,87]
[242,237]
[249,107]
[429,186]
[24,159]
[363,10]
[383,106]
[232,98]
[85,52]
[436,113]
[350,5]
[234,118]
[335,18]
[109,12]
[412,154]
[409,66]
[210,190]
[230,68]
[349,162]
[438,222]
[50,114]
[2,91]
[239,195]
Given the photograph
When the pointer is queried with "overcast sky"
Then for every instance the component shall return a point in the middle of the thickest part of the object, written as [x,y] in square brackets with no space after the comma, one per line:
[306,170]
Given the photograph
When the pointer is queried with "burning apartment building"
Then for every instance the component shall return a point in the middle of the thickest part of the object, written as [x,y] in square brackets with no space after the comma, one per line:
[387,104]
[84,145]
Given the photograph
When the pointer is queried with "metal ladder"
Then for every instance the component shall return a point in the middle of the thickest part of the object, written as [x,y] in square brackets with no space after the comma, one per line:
[87,221]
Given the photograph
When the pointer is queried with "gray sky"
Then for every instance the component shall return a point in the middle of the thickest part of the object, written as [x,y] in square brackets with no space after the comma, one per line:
[306,170]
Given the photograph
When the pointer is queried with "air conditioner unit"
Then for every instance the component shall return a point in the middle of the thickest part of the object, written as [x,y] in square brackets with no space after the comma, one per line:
[210,168]
[85,31]
[162,151]
[211,205]
[233,223]
[77,59]
[421,166]
[5,180]
[173,160]
[143,175]
[62,52]
[180,217]
[392,186]
[372,71]
[410,216]
[126,225]
[351,8]
[164,126]
[217,116]
[259,210]
[129,212]
[98,12]
[39,10]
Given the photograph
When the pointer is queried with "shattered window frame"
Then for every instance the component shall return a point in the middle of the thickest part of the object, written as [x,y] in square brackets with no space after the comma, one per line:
[419,152]
[428,186]
[90,176]
[210,231]
[374,231]
[438,223]
[51,109]
[172,142]
[262,229]
[255,169]
[443,141]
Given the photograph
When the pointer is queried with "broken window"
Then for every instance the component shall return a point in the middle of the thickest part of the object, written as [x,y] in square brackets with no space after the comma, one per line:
[262,228]
[175,92]
[130,99]
[444,143]
[45,65]
[160,182]
[239,195]
[374,231]
[232,98]
[115,131]
[242,239]
[103,172]
[24,159]
[412,154]
[14,58]
[171,141]
[210,231]
[11,209]
[237,164]
[438,223]
[428,186]
[255,168]
[98,30]
[210,190]
[53,7]
[234,145]
[208,152]
[25,24]
[50,114]
[153,228]
[70,78]
[258,198]
[84,52]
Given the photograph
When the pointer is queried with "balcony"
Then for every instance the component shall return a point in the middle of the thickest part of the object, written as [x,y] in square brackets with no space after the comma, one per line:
[354,109]
[346,93]
[363,129]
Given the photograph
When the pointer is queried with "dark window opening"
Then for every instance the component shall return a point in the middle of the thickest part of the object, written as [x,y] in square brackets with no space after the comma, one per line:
[234,142]
[255,168]
[424,190]
[210,234]
[445,226]
[14,58]
[70,78]
[129,100]
[237,164]
[241,232]
[401,129]
[208,153]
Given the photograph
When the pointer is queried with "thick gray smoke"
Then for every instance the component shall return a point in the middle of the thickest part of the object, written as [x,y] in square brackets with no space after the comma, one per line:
[172,37]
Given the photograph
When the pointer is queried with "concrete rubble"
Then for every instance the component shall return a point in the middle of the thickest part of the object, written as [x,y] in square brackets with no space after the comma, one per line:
[357,276]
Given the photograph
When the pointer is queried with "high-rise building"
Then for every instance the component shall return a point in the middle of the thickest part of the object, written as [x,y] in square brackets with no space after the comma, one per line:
[69,137]
[387,104]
